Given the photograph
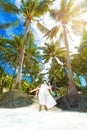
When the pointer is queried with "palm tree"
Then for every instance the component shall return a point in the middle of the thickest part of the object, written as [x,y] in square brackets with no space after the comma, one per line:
[31,62]
[30,10]
[67,18]
[53,54]
[11,51]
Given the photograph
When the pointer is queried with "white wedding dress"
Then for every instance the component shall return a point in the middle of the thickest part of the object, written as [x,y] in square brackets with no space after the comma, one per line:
[45,97]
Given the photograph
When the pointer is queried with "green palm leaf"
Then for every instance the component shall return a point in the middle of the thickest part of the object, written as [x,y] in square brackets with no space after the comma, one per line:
[79,9]
[42,28]
[43,6]
[52,33]
[8,7]
[77,26]
[4,26]
[8,25]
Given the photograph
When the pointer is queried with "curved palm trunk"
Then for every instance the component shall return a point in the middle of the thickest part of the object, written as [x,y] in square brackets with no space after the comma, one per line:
[72,89]
[21,57]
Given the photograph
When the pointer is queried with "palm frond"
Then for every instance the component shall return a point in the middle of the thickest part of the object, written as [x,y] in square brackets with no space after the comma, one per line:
[9,7]
[63,4]
[14,24]
[42,28]
[30,5]
[8,25]
[54,13]
[2,48]
[70,5]
[79,23]
[43,7]
[52,33]
[79,9]
[4,26]
[77,26]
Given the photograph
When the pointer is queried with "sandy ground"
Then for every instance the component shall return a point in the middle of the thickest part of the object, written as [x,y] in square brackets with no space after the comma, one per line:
[29,118]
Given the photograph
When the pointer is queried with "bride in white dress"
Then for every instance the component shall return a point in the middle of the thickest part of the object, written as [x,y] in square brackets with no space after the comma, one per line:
[45,98]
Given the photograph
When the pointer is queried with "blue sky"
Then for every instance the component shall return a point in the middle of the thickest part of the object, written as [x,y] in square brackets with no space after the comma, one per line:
[9,18]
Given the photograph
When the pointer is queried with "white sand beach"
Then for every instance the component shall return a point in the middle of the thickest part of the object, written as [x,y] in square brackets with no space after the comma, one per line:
[29,118]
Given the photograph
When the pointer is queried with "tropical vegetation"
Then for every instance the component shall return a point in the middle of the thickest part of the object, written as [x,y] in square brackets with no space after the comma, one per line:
[22,61]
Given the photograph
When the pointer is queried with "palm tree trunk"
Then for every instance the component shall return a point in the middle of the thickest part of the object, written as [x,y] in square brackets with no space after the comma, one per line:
[71,89]
[21,57]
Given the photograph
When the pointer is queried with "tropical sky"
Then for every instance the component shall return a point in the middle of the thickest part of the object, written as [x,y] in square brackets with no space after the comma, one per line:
[45,20]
